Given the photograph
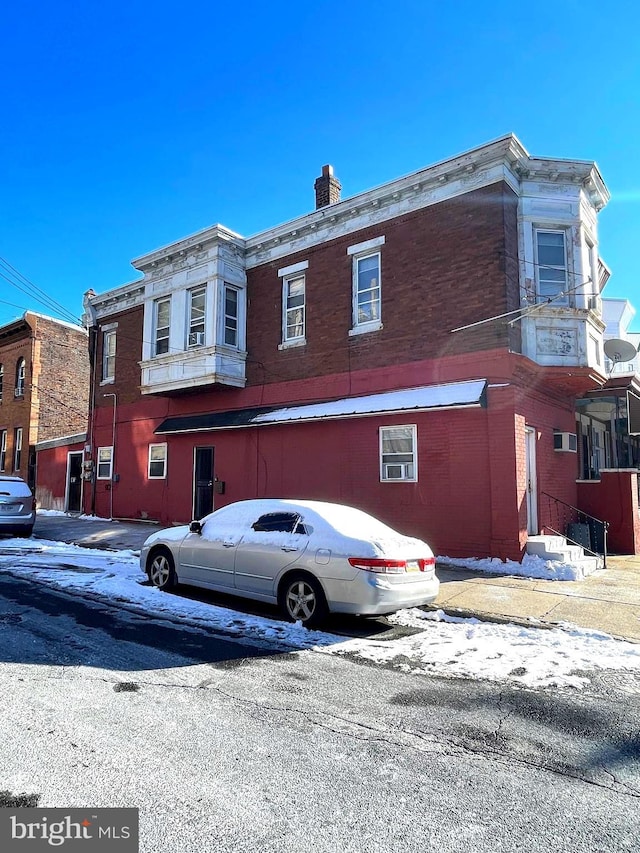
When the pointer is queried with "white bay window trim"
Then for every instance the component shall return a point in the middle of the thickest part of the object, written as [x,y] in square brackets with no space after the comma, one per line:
[551,264]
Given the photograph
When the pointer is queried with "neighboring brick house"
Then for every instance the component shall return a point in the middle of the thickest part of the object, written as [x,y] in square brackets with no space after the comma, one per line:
[318,359]
[44,391]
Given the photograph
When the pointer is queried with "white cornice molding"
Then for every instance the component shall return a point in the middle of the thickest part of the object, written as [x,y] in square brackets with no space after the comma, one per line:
[197,242]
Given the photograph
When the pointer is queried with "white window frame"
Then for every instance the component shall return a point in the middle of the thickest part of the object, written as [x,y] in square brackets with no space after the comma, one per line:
[196,326]
[236,290]
[3,449]
[1,381]
[539,268]
[17,450]
[108,357]
[21,371]
[156,329]
[163,460]
[406,475]
[365,325]
[100,463]
[287,281]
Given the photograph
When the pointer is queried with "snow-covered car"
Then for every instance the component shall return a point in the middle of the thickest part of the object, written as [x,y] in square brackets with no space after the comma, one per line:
[309,557]
[17,507]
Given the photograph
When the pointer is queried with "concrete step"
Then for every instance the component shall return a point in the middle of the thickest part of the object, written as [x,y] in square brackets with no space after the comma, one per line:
[559,549]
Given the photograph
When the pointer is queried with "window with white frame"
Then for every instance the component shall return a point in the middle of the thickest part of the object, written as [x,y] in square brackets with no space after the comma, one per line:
[3,449]
[196,317]
[161,324]
[17,448]
[398,454]
[230,316]
[1,380]
[551,265]
[366,290]
[108,355]
[105,462]
[293,301]
[157,461]
[20,377]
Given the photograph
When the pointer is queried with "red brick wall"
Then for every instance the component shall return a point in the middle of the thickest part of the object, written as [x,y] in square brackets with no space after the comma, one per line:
[615,499]
[51,478]
[15,412]
[442,267]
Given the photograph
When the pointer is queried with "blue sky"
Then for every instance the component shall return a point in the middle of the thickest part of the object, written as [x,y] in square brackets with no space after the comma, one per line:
[132,124]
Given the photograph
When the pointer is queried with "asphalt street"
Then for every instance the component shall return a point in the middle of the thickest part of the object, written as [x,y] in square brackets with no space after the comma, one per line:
[226,746]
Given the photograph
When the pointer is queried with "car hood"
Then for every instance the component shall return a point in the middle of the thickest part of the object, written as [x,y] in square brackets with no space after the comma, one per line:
[169,534]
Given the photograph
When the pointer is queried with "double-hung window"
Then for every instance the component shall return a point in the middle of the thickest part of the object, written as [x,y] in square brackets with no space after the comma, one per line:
[20,377]
[1,380]
[196,319]
[3,449]
[230,316]
[398,454]
[157,461]
[17,448]
[366,285]
[108,356]
[162,321]
[105,461]
[293,300]
[551,265]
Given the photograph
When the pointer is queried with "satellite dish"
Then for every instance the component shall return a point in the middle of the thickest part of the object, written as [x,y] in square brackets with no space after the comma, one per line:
[618,350]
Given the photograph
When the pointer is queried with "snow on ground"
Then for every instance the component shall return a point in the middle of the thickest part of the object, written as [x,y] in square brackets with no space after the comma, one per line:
[530,567]
[437,645]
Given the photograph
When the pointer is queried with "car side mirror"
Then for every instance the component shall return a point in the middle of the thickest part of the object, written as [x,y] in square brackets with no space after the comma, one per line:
[195,527]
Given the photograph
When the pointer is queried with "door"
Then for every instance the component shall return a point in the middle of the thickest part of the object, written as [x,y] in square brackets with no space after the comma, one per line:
[273,542]
[202,482]
[532,482]
[74,482]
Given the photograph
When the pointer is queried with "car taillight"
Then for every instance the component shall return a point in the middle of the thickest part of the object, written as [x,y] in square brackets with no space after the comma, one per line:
[385,567]
[428,564]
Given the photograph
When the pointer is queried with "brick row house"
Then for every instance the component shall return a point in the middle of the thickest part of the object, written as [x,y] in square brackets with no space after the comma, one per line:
[44,394]
[416,350]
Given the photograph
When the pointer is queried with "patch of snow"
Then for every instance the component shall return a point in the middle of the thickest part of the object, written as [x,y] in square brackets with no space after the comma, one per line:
[530,567]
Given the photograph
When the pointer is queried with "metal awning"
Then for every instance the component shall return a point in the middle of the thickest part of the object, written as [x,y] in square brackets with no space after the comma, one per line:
[453,395]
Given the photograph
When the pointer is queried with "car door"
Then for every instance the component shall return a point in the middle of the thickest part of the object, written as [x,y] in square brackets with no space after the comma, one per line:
[207,558]
[274,541]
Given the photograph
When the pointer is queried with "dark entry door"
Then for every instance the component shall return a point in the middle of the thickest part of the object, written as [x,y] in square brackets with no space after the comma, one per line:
[202,482]
[74,482]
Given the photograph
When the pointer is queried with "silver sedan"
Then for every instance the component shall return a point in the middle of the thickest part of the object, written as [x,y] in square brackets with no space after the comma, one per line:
[310,558]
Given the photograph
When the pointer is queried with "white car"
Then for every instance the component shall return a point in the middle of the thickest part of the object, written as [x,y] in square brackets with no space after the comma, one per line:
[309,557]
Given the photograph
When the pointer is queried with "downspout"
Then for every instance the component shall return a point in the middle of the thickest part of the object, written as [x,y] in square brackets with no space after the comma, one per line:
[91,324]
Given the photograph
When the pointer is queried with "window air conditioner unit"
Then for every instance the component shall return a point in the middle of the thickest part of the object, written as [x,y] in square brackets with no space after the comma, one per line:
[397,471]
[196,339]
[565,441]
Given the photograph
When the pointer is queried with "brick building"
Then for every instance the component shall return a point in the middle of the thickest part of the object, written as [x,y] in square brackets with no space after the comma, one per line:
[415,350]
[44,392]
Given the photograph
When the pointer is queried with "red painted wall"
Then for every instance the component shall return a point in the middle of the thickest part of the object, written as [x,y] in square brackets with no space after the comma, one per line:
[614,499]
[51,475]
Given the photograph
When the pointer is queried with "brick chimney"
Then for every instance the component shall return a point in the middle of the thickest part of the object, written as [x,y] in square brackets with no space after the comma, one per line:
[327,188]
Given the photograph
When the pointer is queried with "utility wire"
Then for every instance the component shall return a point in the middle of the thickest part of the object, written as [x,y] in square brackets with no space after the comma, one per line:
[16,279]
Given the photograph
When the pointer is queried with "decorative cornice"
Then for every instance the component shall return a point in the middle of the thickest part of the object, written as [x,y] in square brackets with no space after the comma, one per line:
[197,242]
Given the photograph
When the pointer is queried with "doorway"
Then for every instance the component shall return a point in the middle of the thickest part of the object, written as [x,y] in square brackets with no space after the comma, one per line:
[73,502]
[202,481]
[532,481]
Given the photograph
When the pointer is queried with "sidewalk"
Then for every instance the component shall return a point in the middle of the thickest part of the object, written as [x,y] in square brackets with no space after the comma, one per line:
[607,601]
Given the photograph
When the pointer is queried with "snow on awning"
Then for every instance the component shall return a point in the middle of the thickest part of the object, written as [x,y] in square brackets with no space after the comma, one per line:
[453,395]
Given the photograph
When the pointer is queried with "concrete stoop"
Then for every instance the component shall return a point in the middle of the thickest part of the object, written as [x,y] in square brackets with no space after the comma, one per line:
[549,547]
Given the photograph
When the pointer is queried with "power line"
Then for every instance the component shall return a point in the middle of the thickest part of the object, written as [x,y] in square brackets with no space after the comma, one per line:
[16,279]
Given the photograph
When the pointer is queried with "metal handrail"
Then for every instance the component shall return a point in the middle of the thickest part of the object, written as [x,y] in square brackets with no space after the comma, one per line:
[580,513]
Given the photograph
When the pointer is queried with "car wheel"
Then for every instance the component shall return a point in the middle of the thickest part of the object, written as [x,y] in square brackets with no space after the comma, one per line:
[301,599]
[25,534]
[161,569]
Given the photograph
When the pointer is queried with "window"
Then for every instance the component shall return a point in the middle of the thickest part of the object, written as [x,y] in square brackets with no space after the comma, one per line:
[162,319]
[20,375]
[196,318]
[105,459]
[366,290]
[230,316]
[1,380]
[17,448]
[279,522]
[552,265]
[293,300]
[398,453]
[3,449]
[108,355]
[157,461]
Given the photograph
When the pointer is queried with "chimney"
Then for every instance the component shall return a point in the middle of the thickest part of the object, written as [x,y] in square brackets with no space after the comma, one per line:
[327,188]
